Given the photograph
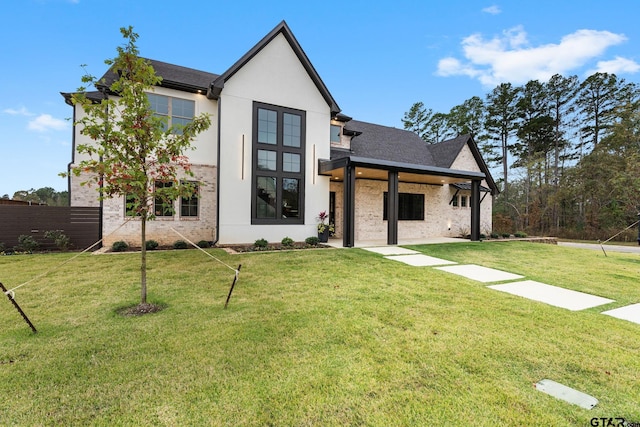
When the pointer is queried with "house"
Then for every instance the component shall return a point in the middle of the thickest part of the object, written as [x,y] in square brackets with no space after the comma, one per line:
[280,151]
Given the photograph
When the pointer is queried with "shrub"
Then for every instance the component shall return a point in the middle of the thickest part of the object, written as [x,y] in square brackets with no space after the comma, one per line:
[180,244]
[151,245]
[27,243]
[61,240]
[119,246]
[204,244]
[260,244]
[520,234]
[483,236]
[287,242]
[312,241]
[2,247]
[506,235]
[494,235]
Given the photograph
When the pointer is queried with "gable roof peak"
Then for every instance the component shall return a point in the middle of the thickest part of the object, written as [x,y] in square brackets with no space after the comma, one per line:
[282,28]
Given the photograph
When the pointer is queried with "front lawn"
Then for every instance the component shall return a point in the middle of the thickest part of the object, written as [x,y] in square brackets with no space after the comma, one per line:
[315,337]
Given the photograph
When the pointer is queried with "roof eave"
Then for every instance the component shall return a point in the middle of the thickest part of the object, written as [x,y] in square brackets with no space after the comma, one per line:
[326,166]
[216,87]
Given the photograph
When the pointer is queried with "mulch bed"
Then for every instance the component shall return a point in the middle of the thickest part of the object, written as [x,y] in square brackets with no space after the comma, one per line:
[236,249]
[141,309]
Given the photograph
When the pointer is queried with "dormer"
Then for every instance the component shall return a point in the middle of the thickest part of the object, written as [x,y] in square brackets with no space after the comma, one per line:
[340,137]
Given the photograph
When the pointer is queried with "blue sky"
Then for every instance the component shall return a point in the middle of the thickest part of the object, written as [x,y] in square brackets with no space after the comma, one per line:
[376,57]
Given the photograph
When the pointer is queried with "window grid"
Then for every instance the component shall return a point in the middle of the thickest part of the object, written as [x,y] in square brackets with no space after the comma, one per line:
[278,166]
[162,208]
[189,205]
[175,111]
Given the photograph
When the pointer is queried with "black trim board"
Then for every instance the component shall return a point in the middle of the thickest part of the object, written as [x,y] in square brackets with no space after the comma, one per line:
[282,28]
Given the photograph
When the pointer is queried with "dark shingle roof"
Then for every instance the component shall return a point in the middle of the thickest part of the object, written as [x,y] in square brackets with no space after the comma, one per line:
[173,77]
[444,153]
[388,143]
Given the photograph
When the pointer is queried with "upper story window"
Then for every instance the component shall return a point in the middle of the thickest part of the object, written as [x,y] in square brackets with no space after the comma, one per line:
[176,111]
[278,164]
[335,133]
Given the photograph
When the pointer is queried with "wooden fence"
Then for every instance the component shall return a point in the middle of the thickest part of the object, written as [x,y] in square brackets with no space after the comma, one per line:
[81,224]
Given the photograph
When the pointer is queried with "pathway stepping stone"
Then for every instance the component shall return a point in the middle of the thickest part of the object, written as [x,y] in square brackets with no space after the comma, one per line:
[391,250]
[552,295]
[479,273]
[419,260]
[629,312]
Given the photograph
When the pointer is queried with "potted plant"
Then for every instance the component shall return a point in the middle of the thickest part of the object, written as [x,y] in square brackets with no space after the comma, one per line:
[324,228]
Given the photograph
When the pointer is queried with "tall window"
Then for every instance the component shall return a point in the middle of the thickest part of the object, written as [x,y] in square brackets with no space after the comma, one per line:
[410,206]
[189,205]
[175,111]
[463,201]
[162,207]
[278,164]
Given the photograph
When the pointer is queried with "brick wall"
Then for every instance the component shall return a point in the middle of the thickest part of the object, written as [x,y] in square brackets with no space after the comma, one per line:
[195,229]
[441,218]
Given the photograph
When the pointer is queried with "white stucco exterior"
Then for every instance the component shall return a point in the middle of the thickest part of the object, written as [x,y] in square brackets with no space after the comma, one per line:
[274,76]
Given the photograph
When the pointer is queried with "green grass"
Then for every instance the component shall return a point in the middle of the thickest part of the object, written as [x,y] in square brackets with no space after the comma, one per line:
[317,337]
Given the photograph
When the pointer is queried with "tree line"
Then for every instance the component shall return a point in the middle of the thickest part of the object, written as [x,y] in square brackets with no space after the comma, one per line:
[44,196]
[568,151]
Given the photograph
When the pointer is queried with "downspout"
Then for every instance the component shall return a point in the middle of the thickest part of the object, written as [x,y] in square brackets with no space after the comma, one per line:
[101,219]
[73,155]
[218,176]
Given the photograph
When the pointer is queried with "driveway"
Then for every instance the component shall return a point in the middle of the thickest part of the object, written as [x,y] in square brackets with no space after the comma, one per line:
[607,247]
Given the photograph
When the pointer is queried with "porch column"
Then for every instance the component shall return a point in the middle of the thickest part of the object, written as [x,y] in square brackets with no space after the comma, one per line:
[392,209]
[475,210]
[349,216]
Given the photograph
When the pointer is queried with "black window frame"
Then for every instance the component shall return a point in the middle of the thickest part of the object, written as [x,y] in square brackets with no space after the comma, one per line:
[192,202]
[171,117]
[279,174]
[407,205]
[161,207]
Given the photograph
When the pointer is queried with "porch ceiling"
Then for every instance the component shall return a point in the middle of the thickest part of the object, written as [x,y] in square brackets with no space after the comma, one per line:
[337,175]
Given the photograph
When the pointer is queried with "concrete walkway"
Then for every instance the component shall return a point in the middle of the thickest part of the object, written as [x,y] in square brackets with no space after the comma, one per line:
[541,292]
[607,247]
[337,243]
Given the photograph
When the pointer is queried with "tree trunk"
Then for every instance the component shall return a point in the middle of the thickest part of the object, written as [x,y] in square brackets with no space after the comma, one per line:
[505,165]
[143,260]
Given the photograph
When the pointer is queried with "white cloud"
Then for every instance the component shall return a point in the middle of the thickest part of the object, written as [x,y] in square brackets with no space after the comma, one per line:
[493,10]
[619,65]
[22,111]
[509,57]
[45,122]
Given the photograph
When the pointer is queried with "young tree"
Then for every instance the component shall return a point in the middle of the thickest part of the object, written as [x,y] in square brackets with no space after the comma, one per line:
[131,148]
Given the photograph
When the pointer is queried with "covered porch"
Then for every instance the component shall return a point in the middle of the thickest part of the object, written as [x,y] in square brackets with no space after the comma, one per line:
[347,170]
